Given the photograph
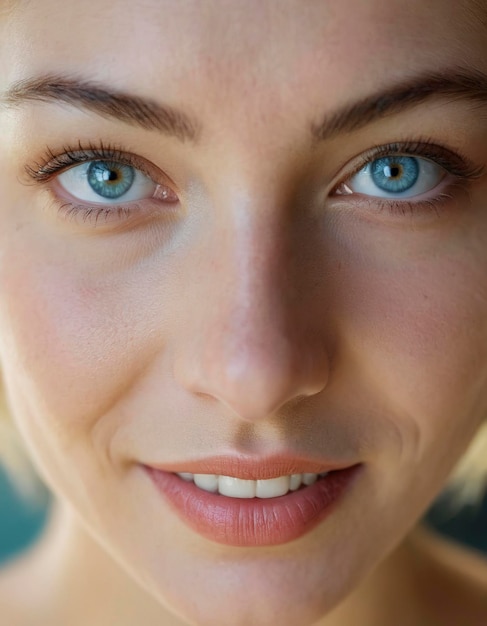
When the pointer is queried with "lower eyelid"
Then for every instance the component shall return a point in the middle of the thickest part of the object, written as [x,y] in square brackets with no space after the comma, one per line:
[114,216]
[431,205]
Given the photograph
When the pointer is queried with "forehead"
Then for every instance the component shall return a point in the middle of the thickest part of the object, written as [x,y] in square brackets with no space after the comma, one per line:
[241,52]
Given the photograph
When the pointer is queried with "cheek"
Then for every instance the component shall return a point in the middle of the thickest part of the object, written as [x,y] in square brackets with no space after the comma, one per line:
[415,316]
[72,340]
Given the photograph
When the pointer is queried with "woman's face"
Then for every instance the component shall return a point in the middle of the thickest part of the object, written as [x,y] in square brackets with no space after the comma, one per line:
[287,261]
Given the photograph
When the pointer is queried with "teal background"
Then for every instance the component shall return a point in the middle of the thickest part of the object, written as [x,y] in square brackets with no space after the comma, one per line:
[21,523]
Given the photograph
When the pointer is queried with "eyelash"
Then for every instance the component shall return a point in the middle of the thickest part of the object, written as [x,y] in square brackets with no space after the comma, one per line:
[461,168]
[52,164]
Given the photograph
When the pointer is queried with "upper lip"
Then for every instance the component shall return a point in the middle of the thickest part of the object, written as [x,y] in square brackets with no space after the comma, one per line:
[252,468]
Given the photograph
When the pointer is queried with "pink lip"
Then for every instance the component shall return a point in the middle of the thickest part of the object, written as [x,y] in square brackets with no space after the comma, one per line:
[253,522]
[249,468]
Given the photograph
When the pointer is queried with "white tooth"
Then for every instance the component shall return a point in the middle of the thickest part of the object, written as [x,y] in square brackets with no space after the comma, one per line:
[272,488]
[309,479]
[208,482]
[323,474]
[295,482]
[186,476]
[236,487]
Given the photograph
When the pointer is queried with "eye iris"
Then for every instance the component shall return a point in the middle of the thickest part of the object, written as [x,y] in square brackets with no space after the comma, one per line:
[110,180]
[396,173]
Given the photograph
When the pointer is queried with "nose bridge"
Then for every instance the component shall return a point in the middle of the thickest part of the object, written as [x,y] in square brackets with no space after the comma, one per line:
[257,308]
[248,346]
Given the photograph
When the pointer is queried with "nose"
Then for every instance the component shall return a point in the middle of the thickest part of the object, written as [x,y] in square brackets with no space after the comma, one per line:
[252,339]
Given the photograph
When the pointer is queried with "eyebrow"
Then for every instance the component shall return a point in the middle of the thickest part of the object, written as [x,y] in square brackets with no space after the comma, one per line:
[454,84]
[451,84]
[108,103]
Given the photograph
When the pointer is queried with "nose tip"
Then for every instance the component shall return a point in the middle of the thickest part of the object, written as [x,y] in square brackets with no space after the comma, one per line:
[255,375]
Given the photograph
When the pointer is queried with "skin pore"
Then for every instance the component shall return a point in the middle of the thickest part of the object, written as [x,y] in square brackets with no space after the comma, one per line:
[258,304]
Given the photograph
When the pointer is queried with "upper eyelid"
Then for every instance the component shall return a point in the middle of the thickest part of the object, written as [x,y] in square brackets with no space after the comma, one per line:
[455,164]
[52,164]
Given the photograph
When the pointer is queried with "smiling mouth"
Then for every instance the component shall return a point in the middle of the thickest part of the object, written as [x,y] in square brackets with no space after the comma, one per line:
[262,504]
[239,488]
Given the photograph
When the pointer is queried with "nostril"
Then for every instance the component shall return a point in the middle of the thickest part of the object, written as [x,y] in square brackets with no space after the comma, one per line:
[253,369]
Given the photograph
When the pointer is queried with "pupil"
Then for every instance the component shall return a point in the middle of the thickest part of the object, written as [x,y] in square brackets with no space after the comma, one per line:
[112,175]
[395,171]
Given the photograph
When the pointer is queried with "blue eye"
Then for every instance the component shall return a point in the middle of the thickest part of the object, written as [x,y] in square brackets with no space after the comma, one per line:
[395,174]
[396,177]
[106,181]
[110,180]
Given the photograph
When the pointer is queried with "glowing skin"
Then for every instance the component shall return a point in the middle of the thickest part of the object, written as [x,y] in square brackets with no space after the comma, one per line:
[261,313]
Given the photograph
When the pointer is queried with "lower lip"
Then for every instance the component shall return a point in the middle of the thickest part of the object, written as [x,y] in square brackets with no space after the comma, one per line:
[253,522]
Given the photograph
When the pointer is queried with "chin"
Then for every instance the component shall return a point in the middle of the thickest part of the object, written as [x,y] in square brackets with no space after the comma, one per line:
[248,610]
[256,592]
